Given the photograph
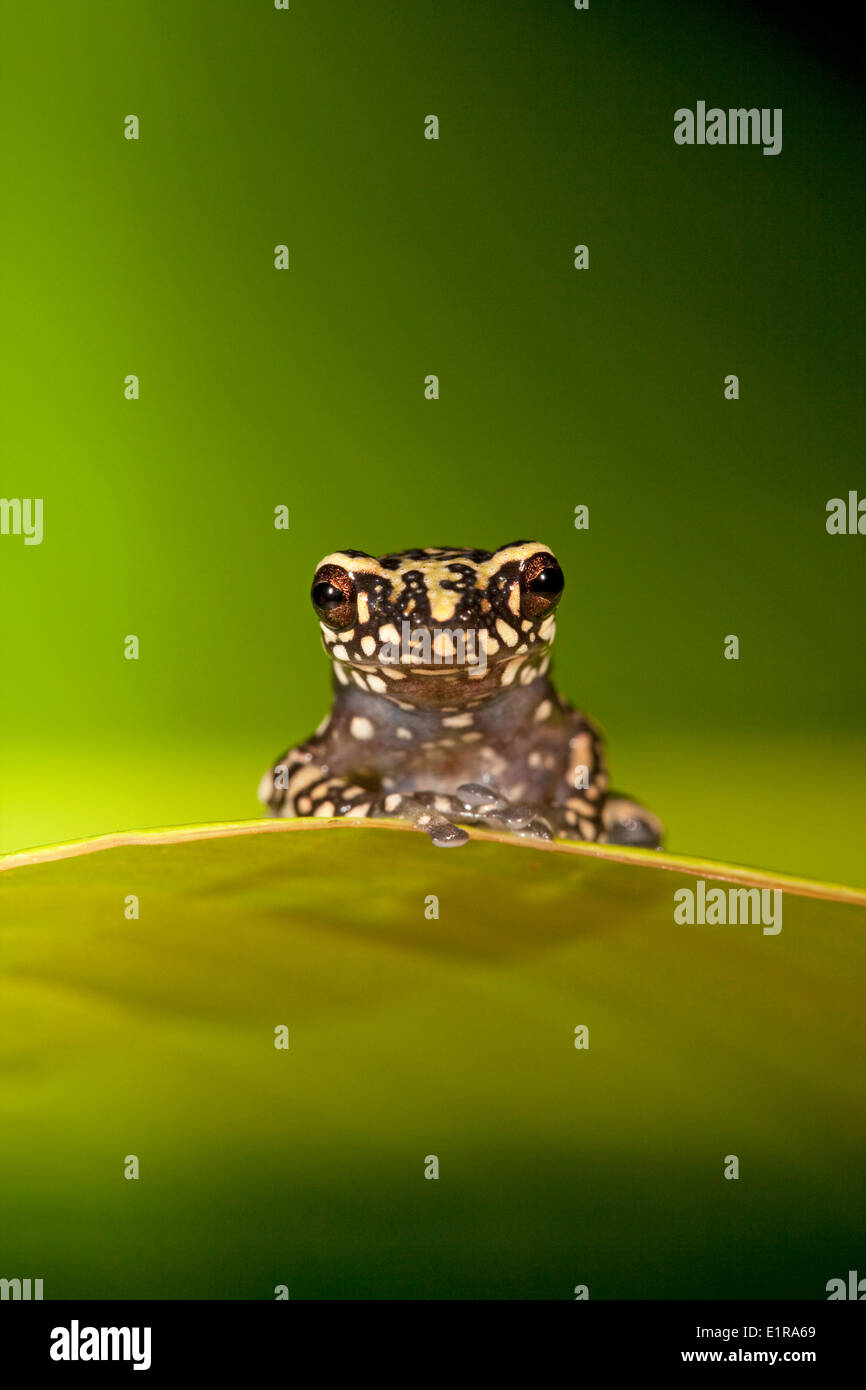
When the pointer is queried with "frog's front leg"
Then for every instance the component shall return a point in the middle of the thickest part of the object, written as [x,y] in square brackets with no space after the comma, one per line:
[584,807]
[300,784]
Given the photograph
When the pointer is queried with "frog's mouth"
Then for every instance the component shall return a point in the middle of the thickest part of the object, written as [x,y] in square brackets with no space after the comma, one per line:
[410,679]
[438,651]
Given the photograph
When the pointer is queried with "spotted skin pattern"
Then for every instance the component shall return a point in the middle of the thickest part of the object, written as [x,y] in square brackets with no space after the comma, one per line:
[444,713]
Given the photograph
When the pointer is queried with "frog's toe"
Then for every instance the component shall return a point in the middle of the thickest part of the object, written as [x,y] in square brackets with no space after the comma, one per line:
[628,823]
[516,817]
[536,830]
[477,800]
[496,811]
[524,821]
[447,836]
[421,811]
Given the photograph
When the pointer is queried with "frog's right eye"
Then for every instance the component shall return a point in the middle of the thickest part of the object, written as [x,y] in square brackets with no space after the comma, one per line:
[334,596]
[541,583]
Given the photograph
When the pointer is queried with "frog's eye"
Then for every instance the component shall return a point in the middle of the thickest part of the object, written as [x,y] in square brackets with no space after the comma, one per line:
[334,594]
[548,581]
[541,583]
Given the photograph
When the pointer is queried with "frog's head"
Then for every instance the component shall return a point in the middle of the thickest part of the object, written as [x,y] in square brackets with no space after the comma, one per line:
[425,627]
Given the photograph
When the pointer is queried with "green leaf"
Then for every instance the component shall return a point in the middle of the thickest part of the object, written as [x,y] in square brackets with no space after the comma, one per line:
[413,1036]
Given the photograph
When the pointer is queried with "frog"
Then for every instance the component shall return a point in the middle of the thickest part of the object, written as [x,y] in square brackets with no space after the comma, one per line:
[444,712]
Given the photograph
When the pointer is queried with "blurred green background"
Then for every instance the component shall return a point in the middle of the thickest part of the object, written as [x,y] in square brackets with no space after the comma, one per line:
[305,388]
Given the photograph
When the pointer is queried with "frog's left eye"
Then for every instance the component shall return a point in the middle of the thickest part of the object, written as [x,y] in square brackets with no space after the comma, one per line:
[541,583]
[334,596]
